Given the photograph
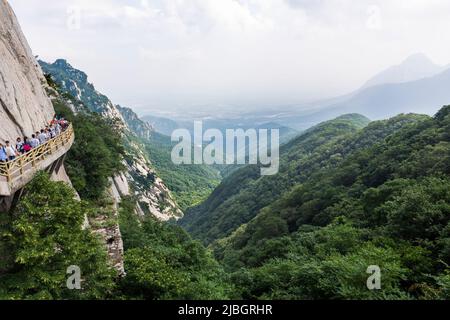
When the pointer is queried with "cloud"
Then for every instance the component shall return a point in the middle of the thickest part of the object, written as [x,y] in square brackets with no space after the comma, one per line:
[305,4]
[165,54]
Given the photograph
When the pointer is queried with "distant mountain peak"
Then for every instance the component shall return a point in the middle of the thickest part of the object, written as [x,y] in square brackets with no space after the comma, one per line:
[415,67]
[62,63]
[418,57]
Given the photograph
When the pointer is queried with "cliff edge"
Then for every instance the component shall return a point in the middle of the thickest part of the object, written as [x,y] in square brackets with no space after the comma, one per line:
[24,105]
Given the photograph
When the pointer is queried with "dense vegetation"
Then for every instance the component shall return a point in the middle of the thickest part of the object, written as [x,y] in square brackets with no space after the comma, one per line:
[243,193]
[376,196]
[190,184]
[38,246]
[43,238]
[97,153]
[163,262]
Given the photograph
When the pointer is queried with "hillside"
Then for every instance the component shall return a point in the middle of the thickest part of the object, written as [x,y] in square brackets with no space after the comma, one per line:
[75,83]
[190,184]
[95,224]
[243,193]
[384,201]
[390,99]
[162,125]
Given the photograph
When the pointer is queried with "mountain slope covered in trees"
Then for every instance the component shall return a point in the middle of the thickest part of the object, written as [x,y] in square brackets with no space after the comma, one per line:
[383,199]
[190,184]
[242,194]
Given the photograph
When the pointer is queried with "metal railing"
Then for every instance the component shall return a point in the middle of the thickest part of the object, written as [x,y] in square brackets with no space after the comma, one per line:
[28,161]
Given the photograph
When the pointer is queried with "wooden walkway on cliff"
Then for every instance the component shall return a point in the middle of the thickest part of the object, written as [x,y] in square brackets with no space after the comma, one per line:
[16,174]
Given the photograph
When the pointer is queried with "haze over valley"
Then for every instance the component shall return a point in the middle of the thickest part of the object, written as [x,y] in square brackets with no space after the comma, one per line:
[236,59]
[416,85]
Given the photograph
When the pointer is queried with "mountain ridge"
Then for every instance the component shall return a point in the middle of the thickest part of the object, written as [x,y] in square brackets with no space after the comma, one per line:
[415,67]
[379,102]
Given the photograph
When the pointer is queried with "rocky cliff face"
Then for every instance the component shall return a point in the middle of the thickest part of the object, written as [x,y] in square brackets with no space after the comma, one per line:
[24,105]
[153,195]
[137,126]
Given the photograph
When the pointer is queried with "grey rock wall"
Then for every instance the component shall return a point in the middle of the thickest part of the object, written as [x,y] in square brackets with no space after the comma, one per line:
[24,105]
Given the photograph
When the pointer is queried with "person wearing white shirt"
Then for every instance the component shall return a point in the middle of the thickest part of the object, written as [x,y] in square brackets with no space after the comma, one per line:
[11,153]
[34,142]
[42,137]
[58,129]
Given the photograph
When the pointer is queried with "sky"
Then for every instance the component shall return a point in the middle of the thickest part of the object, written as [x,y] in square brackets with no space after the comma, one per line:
[170,55]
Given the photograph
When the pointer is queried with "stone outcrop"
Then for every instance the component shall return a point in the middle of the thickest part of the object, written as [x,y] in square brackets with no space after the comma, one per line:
[140,128]
[153,195]
[24,105]
[107,227]
[121,185]
[75,82]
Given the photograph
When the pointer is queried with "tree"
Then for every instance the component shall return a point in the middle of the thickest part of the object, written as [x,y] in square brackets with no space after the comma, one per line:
[163,262]
[420,211]
[96,155]
[45,236]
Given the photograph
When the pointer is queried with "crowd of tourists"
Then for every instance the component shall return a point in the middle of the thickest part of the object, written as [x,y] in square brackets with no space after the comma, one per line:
[10,151]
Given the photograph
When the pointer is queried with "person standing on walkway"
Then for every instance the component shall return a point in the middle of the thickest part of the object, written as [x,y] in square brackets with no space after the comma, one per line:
[34,142]
[26,147]
[11,153]
[47,133]
[3,156]
[19,145]
[58,128]
[42,137]
[52,131]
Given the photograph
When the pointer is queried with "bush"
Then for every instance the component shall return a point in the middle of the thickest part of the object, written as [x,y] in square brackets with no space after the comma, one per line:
[45,237]
[96,155]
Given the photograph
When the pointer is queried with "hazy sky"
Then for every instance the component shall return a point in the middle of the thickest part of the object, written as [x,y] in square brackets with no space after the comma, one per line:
[167,53]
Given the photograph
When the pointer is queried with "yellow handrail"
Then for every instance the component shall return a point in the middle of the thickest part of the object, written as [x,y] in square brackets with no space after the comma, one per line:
[18,166]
